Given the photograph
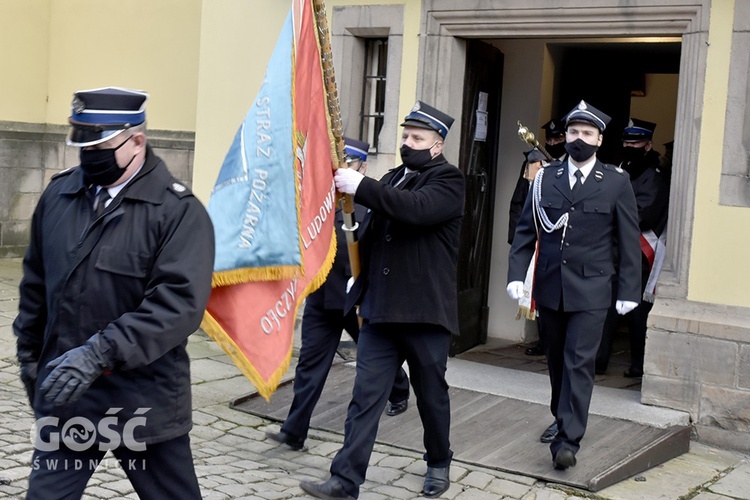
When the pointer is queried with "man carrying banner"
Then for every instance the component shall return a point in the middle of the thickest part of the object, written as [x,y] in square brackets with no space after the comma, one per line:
[322,324]
[408,299]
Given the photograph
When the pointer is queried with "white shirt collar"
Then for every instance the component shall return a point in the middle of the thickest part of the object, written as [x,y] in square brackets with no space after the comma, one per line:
[585,170]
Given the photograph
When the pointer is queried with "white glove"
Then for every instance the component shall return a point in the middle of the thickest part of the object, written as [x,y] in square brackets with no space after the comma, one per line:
[515,290]
[347,180]
[349,284]
[625,306]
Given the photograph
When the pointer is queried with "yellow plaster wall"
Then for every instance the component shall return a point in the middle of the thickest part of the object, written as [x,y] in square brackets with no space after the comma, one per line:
[718,269]
[24,42]
[233,64]
[143,44]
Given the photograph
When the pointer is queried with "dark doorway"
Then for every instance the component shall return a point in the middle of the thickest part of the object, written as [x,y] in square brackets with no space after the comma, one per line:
[478,161]
[608,75]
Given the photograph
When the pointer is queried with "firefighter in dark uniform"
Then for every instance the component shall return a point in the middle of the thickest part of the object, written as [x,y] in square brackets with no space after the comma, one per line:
[585,208]
[531,165]
[322,324]
[651,188]
[554,139]
[407,293]
[116,277]
[643,163]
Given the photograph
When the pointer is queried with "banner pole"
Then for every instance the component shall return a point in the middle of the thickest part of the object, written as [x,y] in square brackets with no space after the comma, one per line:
[329,80]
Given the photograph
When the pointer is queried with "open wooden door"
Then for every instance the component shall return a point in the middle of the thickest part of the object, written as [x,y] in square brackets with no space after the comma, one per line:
[478,161]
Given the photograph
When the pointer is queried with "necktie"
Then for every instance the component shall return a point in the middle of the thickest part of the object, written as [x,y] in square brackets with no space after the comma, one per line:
[100,201]
[402,179]
[578,183]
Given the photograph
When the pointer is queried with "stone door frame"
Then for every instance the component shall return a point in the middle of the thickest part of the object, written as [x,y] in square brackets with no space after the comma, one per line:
[442,59]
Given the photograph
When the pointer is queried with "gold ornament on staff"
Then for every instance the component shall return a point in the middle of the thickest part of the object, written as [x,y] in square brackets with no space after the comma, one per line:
[527,135]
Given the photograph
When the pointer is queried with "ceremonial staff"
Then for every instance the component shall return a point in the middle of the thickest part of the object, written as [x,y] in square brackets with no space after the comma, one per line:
[329,80]
[527,136]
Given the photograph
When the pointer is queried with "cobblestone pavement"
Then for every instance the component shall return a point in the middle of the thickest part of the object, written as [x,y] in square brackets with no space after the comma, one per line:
[235,460]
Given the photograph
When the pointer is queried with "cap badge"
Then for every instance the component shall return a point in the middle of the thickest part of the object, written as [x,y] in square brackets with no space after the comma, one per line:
[416,107]
[178,187]
[630,123]
[78,105]
[582,105]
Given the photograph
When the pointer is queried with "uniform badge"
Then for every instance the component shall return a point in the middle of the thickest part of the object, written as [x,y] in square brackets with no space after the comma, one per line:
[619,170]
[598,175]
[78,105]
[178,187]
[560,171]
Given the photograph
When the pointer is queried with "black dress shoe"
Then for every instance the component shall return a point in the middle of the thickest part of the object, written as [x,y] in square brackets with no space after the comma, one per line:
[633,373]
[282,437]
[535,351]
[393,409]
[436,482]
[329,489]
[549,433]
[564,458]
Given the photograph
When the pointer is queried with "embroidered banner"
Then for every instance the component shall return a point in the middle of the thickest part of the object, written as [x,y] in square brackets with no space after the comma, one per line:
[281,160]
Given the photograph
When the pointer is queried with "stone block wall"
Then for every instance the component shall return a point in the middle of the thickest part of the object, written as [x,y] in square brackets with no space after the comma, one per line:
[698,360]
[30,154]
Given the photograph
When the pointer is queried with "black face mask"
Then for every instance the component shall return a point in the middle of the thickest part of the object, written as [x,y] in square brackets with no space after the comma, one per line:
[633,154]
[580,150]
[414,159]
[100,165]
[556,150]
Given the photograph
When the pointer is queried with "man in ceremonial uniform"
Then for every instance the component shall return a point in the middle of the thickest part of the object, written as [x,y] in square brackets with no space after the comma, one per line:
[651,190]
[116,277]
[322,324]
[554,139]
[408,299]
[586,208]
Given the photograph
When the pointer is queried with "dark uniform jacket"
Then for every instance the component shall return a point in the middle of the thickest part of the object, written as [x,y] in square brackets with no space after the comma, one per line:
[651,192]
[409,246]
[517,201]
[332,293]
[579,270]
[141,274]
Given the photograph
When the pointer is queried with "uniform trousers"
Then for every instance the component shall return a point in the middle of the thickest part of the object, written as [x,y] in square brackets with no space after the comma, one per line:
[321,333]
[572,342]
[381,351]
[162,470]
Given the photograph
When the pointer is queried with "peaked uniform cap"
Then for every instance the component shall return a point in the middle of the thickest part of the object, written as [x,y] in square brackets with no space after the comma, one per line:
[356,148]
[638,130]
[554,128]
[98,115]
[534,155]
[425,116]
[586,113]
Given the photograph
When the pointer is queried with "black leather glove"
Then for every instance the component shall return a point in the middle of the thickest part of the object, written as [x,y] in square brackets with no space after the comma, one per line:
[28,377]
[73,372]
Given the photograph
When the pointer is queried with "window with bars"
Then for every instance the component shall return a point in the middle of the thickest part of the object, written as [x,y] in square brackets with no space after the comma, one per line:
[373,92]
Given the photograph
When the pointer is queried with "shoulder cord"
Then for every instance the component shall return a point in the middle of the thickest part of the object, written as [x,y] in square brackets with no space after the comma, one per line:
[540,216]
